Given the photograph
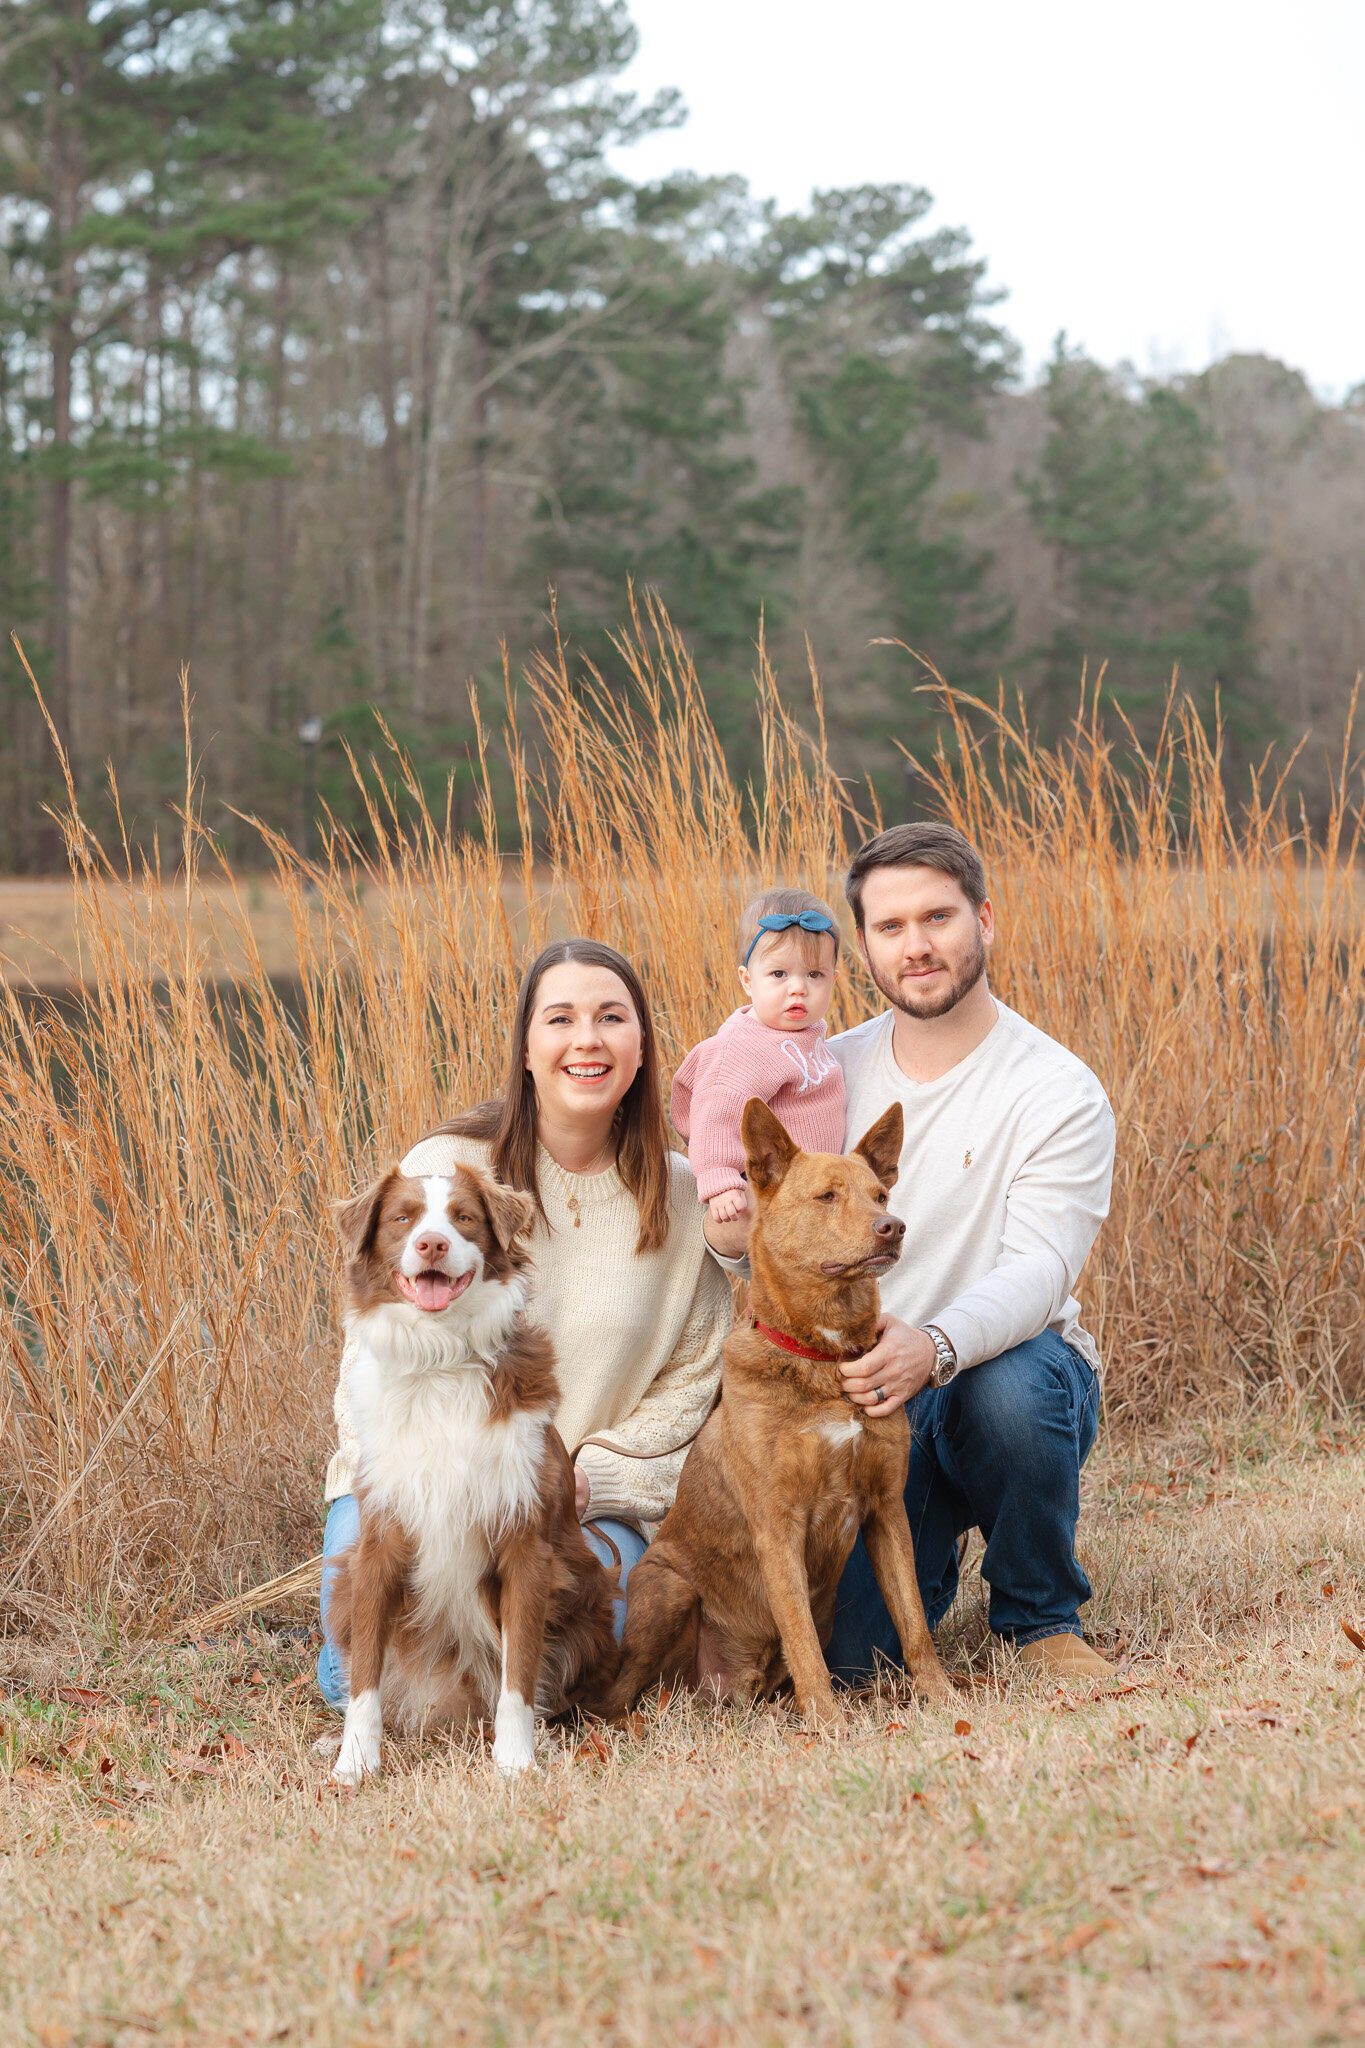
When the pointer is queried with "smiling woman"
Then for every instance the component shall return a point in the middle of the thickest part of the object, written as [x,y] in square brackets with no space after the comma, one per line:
[636,1309]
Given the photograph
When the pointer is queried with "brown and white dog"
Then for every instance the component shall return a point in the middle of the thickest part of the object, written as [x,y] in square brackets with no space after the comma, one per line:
[470,1590]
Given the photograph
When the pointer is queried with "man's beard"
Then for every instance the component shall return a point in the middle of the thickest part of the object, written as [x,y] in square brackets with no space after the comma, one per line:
[959,985]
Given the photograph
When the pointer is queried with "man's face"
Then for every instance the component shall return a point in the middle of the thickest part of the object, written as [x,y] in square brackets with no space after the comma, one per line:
[923,940]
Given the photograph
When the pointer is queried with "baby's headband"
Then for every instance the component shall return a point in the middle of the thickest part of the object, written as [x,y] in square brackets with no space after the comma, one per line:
[809,921]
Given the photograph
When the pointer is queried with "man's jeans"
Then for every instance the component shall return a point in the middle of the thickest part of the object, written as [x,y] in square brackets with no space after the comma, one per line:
[343,1526]
[1000,1449]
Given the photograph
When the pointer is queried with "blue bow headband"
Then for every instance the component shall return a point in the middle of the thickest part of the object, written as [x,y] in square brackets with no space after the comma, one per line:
[809,921]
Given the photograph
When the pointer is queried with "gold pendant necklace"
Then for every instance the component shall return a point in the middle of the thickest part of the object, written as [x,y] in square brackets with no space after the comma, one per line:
[570,1197]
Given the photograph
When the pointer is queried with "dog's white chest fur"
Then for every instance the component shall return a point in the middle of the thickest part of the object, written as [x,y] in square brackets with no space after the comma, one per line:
[429,1455]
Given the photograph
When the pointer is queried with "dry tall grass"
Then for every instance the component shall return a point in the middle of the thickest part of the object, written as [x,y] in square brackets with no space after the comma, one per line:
[168,1151]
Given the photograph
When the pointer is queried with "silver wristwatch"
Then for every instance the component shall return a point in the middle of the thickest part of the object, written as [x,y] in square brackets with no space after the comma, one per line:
[945,1365]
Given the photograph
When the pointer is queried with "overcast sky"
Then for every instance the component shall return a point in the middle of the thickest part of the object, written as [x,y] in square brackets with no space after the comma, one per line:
[1165,182]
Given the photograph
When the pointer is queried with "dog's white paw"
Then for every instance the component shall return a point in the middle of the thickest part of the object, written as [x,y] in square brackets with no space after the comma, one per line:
[514,1736]
[361,1742]
[350,1767]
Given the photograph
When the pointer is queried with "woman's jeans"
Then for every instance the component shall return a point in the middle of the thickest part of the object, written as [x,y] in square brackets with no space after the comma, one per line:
[999,1449]
[343,1526]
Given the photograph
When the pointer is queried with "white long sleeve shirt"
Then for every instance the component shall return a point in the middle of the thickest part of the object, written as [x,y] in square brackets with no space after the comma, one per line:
[1004,1183]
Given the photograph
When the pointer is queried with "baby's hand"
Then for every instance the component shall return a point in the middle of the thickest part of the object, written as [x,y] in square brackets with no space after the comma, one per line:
[730,1205]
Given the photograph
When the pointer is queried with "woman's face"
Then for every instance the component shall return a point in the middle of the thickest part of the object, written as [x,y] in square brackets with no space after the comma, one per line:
[584,1043]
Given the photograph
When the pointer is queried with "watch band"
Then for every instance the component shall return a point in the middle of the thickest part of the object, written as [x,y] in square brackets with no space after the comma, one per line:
[945,1368]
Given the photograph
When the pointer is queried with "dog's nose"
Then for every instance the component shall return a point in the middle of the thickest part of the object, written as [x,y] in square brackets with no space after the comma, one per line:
[429,1246]
[889,1226]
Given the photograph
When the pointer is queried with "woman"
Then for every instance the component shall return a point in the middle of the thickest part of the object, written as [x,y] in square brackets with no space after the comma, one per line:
[636,1307]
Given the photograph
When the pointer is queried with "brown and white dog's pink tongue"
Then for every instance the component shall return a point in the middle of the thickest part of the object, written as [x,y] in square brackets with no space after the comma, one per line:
[432,1291]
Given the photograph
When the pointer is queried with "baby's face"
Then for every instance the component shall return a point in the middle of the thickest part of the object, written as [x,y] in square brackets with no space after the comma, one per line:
[786,994]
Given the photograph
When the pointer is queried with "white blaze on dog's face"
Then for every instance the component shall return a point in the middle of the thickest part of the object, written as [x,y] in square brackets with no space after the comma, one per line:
[429,1241]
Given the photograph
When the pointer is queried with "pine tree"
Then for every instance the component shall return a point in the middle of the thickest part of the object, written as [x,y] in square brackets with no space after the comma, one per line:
[888,345]
[1151,572]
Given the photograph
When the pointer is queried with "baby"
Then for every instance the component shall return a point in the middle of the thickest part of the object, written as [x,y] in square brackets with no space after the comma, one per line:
[773,1048]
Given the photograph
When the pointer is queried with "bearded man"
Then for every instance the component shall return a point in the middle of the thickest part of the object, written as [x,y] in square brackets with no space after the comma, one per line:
[1004,1183]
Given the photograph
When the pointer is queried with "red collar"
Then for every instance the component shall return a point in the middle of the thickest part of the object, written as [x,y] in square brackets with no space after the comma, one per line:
[801,1350]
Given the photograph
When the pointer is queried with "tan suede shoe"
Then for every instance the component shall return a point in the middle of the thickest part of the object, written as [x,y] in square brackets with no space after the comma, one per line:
[1065,1657]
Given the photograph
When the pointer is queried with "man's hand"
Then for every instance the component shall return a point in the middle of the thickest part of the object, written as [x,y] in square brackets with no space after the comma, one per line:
[898,1365]
[582,1491]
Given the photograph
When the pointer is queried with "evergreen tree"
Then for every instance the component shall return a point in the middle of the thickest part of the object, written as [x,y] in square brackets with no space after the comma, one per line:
[1151,572]
[655,484]
[888,345]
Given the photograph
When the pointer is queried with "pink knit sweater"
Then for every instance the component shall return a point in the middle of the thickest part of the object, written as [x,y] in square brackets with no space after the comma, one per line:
[792,1071]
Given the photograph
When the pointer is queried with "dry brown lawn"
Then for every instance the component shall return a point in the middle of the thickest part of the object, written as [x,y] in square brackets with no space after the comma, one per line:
[1175,1858]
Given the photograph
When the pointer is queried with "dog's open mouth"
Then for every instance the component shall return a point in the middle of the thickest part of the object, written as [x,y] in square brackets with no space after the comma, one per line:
[431,1290]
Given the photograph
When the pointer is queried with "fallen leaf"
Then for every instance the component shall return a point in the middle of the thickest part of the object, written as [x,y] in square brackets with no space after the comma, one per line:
[82,1696]
[257,1677]
[1263,1926]
[1328,1590]
[665,1695]
[1353,1635]
[1082,1936]
[1209,1869]
[962,1727]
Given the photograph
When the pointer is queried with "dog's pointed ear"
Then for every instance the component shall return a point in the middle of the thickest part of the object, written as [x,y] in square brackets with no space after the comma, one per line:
[510,1213]
[358,1219]
[768,1150]
[881,1146]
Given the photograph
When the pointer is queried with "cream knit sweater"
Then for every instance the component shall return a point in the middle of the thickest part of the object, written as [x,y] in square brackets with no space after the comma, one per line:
[637,1337]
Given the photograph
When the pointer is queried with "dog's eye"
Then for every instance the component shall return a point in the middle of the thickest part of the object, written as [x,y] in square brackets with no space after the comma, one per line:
[830,1195]
[465,1217]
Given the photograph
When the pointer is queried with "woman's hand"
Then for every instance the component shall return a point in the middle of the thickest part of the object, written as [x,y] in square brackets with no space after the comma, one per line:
[896,1367]
[582,1491]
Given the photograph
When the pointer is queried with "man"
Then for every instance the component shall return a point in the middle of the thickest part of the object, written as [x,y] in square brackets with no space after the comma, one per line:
[1004,1183]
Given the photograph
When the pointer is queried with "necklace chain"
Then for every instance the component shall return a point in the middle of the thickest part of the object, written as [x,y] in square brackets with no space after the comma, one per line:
[571,1194]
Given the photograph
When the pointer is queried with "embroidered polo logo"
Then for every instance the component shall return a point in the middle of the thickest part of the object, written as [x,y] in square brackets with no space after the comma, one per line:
[813,1066]
[966,1159]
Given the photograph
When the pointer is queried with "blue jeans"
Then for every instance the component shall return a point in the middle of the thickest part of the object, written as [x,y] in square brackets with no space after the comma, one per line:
[1000,1449]
[343,1526]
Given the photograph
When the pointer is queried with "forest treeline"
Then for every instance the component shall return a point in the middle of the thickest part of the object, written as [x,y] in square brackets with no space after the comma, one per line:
[334,337]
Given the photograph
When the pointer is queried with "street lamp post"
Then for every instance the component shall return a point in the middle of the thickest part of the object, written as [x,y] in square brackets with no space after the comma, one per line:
[310,733]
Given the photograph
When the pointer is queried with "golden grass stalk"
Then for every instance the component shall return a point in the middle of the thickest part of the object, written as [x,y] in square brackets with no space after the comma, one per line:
[169,1146]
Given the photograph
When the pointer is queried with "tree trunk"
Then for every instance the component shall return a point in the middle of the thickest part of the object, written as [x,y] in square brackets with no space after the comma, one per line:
[277,658]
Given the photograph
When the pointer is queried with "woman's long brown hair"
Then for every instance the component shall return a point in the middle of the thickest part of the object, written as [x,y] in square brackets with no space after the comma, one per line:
[507,1124]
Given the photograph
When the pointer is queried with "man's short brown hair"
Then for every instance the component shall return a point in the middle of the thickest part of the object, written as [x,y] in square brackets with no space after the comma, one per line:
[918,846]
